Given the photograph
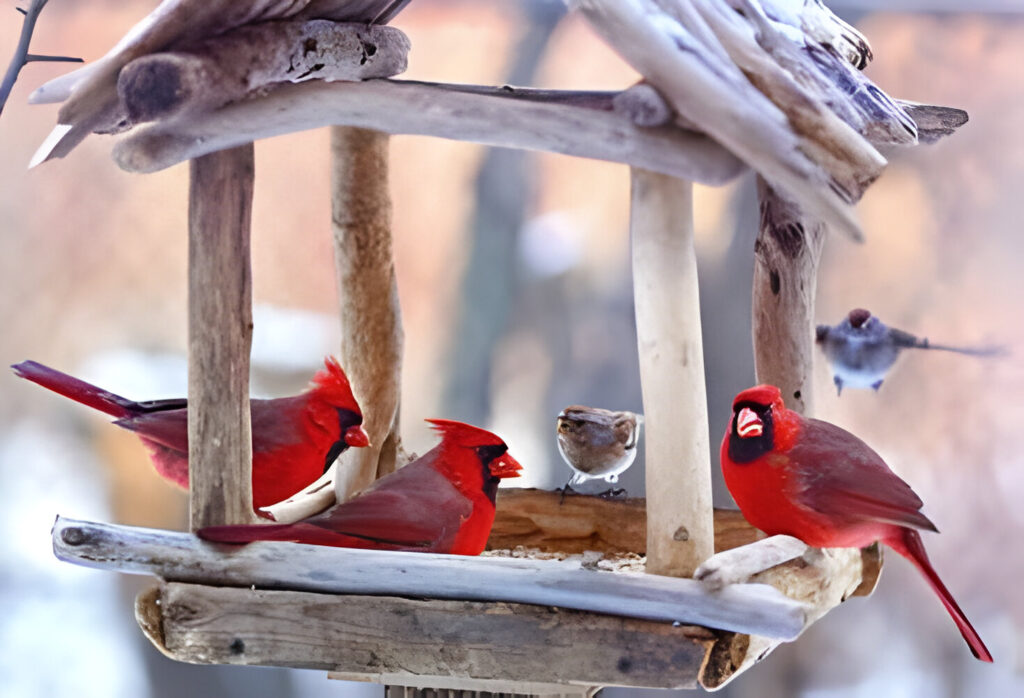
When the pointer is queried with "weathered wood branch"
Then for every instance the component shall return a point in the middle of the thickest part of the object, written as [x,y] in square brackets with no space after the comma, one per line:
[786,256]
[220,336]
[686,65]
[371,321]
[821,578]
[546,521]
[491,116]
[409,638]
[90,93]
[680,523]
[182,557]
[227,68]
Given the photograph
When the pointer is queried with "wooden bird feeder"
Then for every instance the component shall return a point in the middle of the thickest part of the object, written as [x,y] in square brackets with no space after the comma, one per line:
[724,89]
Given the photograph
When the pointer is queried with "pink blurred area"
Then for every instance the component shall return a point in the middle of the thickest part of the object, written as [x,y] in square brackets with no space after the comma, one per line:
[93,262]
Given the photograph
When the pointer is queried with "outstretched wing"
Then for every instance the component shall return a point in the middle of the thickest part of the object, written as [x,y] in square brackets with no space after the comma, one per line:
[839,475]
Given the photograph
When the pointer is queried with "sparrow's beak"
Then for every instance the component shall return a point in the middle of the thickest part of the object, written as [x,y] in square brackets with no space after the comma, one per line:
[356,436]
[748,424]
[505,466]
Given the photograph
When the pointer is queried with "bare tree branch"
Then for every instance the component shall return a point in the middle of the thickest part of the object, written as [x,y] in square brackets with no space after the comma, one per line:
[21,55]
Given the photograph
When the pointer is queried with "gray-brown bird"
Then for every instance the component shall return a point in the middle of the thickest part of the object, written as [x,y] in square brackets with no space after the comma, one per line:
[597,443]
[861,349]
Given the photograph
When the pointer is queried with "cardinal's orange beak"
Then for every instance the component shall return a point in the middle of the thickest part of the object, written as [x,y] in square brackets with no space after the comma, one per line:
[505,466]
[748,424]
[356,436]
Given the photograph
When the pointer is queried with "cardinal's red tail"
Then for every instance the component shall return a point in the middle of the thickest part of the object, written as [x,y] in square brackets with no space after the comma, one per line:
[909,545]
[77,390]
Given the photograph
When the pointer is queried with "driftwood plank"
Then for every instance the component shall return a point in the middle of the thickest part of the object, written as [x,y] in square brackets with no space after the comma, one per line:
[576,523]
[220,335]
[491,116]
[387,635]
[750,608]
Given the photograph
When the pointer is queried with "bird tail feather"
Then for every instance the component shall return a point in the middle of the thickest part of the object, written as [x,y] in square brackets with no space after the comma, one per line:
[77,390]
[909,545]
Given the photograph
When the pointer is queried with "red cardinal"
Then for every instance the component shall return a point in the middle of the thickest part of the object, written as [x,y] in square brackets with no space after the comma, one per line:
[294,439]
[819,483]
[442,502]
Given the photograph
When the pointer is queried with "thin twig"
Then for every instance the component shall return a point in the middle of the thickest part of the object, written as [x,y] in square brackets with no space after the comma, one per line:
[21,55]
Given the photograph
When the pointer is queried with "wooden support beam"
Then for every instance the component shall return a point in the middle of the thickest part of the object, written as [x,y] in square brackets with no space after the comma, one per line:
[502,117]
[375,636]
[220,336]
[786,257]
[371,322]
[680,523]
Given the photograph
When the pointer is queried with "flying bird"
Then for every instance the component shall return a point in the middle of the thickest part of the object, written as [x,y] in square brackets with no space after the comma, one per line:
[294,439]
[442,502]
[861,349]
[819,483]
[597,443]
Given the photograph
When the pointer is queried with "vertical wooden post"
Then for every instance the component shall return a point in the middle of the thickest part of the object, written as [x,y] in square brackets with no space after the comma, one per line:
[680,520]
[787,253]
[220,336]
[371,323]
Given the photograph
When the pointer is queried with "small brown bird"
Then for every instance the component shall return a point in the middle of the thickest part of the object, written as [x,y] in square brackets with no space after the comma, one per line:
[596,443]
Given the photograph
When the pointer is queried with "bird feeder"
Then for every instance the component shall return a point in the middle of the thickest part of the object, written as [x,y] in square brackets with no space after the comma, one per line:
[726,87]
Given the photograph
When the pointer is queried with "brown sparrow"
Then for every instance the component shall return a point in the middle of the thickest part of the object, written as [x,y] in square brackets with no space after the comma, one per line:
[597,443]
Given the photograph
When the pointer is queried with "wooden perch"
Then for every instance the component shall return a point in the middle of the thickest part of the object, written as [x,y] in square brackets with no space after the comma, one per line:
[691,68]
[754,608]
[786,257]
[220,336]
[544,520]
[491,116]
[371,323]
[227,68]
[680,523]
[821,578]
[387,638]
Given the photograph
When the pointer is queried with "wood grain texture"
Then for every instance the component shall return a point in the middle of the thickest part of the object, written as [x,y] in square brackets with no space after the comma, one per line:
[680,523]
[219,338]
[761,117]
[409,637]
[786,257]
[211,73]
[821,578]
[543,520]
[371,320]
[752,608]
[501,117]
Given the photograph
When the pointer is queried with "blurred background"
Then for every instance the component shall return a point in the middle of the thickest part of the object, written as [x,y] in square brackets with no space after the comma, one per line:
[92,262]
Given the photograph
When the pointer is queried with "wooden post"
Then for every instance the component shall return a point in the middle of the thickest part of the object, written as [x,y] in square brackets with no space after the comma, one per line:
[371,324]
[680,524]
[787,253]
[220,336]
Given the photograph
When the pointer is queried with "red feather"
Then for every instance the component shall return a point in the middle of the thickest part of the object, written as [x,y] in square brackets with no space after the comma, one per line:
[294,439]
[812,480]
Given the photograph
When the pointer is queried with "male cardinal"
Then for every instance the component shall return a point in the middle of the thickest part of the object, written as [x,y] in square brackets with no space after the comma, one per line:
[294,439]
[597,443]
[819,483]
[861,349]
[442,502]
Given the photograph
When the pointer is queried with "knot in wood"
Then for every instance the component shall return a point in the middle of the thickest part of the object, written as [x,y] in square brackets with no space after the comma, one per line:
[681,534]
[73,536]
